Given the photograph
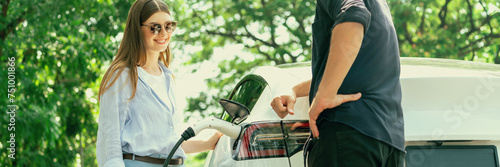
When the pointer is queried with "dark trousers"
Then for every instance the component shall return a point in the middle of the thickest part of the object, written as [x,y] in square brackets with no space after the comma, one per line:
[340,145]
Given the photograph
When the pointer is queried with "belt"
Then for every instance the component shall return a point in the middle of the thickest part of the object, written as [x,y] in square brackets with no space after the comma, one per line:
[173,161]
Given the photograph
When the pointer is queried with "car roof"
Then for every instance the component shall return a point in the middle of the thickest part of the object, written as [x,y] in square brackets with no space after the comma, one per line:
[418,67]
[442,99]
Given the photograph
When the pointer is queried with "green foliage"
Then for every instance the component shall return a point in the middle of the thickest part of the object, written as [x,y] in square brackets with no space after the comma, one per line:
[275,32]
[59,47]
[196,159]
[463,29]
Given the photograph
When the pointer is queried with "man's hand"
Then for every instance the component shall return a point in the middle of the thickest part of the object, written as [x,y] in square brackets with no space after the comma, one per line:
[283,105]
[320,104]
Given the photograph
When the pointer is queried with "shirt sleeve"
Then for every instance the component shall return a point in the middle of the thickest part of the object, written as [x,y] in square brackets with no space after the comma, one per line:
[112,116]
[346,11]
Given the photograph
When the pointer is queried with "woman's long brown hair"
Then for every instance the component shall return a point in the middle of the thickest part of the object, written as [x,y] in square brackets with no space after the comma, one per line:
[132,52]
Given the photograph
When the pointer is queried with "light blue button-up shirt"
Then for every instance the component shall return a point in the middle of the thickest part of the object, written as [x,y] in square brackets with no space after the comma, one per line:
[143,126]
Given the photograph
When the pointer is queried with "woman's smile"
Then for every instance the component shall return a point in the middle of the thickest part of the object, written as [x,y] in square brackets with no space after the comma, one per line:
[161,41]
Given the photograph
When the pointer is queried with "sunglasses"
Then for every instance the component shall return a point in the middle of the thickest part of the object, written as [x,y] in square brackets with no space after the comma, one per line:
[169,27]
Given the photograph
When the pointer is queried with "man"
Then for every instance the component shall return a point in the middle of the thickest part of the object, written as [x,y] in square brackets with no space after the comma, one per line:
[355,115]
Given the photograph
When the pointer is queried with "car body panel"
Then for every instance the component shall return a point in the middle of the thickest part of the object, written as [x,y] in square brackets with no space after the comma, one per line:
[451,109]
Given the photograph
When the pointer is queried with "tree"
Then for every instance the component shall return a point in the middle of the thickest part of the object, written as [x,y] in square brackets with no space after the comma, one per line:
[60,48]
[455,29]
[276,32]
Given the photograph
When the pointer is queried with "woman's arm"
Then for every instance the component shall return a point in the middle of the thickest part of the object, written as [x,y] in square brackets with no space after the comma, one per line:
[193,146]
[112,115]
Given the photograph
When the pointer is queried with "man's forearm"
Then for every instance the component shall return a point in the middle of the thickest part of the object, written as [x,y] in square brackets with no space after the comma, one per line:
[344,47]
[302,89]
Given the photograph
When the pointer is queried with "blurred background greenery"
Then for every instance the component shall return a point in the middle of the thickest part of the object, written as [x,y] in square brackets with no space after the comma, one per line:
[62,49]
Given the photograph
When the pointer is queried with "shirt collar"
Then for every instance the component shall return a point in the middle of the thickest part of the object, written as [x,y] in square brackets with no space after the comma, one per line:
[164,68]
[143,76]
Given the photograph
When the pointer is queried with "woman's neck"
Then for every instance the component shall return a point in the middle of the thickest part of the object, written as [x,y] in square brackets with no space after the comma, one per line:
[152,65]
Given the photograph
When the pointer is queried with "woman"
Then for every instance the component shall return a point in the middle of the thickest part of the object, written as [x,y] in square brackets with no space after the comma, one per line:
[137,106]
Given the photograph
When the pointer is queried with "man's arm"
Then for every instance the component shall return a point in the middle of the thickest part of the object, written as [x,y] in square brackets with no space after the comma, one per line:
[302,89]
[283,105]
[344,47]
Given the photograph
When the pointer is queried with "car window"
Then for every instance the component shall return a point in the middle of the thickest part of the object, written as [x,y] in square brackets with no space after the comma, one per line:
[246,92]
[456,156]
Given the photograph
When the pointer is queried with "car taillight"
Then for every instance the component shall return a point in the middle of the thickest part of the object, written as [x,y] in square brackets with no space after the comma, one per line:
[273,139]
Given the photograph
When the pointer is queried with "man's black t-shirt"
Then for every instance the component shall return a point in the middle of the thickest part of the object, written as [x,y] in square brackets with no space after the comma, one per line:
[375,72]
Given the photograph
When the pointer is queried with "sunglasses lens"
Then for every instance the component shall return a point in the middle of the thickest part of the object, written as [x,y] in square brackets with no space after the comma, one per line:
[156,28]
[171,26]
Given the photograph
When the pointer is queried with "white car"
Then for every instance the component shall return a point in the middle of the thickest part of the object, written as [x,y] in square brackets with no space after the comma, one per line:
[451,111]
